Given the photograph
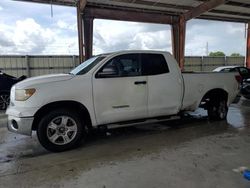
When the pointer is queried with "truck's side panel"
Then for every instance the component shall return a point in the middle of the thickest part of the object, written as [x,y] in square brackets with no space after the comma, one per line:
[122,96]
[196,85]
[119,99]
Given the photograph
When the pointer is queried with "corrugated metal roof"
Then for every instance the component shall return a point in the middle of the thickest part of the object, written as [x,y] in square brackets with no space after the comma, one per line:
[232,10]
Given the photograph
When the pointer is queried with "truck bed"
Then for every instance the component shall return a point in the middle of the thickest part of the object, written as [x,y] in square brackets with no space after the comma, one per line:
[197,84]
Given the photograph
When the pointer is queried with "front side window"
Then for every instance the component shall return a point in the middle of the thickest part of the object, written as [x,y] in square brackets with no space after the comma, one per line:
[121,66]
[153,64]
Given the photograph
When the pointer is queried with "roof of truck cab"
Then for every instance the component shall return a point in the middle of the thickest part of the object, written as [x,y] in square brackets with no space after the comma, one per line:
[136,51]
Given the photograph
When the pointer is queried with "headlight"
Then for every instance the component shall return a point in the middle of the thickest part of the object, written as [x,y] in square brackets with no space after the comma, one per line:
[24,94]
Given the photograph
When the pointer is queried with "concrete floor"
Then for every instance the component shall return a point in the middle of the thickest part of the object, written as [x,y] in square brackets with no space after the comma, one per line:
[188,153]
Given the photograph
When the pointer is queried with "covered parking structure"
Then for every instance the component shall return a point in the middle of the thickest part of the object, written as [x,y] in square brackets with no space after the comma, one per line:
[173,12]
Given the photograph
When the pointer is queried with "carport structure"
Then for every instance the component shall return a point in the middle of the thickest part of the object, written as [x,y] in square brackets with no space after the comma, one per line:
[173,12]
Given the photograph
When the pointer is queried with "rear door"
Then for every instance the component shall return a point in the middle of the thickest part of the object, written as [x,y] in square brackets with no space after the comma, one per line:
[164,85]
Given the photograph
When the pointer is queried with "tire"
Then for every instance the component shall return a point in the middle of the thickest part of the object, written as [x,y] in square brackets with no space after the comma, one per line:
[60,130]
[4,100]
[217,110]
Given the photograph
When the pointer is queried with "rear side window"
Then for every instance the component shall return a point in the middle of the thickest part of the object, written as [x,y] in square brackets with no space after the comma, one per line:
[153,64]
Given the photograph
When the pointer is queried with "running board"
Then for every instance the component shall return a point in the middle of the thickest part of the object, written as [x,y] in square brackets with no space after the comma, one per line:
[139,122]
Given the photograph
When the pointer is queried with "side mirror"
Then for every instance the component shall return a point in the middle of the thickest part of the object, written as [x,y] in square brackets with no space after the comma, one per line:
[109,71]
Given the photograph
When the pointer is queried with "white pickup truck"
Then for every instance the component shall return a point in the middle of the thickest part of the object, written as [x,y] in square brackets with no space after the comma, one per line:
[114,90]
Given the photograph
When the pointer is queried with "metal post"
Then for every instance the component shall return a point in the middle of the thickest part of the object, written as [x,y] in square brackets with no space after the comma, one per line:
[178,40]
[248,47]
[202,63]
[175,41]
[182,25]
[80,33]
[225,61]
[88,36]
[73,61]
[27,65]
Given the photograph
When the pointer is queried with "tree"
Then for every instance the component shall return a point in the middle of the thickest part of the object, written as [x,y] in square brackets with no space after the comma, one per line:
[217,54]
[236,55]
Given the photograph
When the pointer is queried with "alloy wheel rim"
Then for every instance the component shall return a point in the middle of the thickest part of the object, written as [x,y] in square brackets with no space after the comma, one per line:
[61,130]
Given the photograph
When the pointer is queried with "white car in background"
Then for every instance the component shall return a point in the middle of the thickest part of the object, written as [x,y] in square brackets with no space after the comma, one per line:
[244,80]
[243,71]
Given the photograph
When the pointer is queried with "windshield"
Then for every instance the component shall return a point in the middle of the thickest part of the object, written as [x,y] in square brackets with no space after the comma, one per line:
[87,65]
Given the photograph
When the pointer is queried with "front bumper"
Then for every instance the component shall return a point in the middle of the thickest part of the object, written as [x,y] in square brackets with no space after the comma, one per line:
[20,119]
[21,125]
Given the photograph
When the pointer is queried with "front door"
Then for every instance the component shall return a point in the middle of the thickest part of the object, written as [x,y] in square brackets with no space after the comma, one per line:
[120,91]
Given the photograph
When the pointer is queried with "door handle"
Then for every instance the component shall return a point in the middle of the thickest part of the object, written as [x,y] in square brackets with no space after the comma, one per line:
[140,82]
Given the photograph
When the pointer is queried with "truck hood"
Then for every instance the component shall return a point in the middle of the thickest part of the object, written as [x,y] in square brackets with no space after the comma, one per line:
[31,82]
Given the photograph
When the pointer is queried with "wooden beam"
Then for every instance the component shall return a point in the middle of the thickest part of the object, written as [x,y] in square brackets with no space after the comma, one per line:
[248,47]
[202,8]
[83,4]
[80,33]
[127,15]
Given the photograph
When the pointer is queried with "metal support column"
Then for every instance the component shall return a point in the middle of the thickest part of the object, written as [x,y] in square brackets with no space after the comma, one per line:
[175,41]
[80,33]
[248,46]
[178,40]
[88,36]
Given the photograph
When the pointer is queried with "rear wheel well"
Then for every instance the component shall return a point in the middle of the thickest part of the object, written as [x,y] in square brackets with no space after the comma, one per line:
[213,95]
[79,108]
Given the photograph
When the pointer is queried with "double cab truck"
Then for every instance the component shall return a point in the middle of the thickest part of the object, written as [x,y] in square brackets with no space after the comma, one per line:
[114,90]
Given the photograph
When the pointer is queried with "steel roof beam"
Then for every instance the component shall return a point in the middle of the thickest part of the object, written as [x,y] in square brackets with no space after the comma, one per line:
[82,4]
[202,8]
[54,2]
[238,4]
[127,15]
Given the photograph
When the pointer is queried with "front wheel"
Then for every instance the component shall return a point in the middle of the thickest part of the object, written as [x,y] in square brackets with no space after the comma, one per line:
[60,130]
[217,110]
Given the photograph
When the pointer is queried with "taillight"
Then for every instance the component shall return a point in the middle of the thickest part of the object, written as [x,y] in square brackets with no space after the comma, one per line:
[238,78]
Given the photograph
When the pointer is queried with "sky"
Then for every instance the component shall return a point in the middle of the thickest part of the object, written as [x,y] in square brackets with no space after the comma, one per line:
[31,29]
